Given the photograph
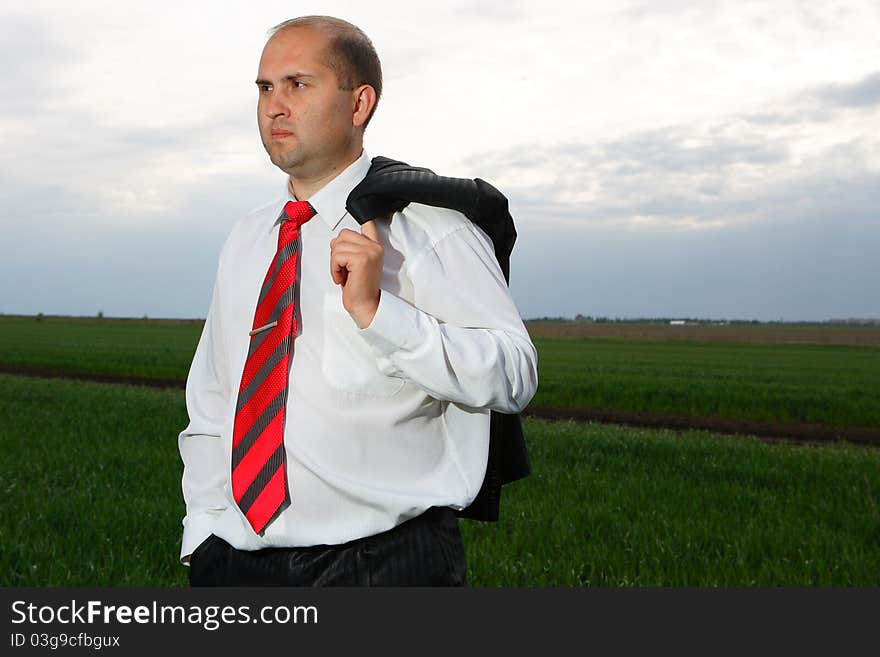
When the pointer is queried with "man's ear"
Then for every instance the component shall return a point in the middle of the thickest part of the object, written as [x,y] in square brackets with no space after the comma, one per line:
[364,102]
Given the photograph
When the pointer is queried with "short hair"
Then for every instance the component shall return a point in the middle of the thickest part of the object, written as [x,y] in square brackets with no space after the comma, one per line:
[352,55]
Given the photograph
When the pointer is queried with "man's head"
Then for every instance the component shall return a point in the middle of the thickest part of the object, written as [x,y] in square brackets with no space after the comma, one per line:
[319,82]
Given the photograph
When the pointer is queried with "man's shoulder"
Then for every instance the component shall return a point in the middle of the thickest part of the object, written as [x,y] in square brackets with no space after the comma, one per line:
[420,229]
[256,218]
[435,204]
[422,224]
[248,228]
[266,212]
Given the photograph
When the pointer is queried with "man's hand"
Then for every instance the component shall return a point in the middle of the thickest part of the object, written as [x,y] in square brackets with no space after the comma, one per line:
[356,264]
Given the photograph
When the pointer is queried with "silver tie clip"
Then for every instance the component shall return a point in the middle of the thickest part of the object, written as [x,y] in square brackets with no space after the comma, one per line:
[263,328]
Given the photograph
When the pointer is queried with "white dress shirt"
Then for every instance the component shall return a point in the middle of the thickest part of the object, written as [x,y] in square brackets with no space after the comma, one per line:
[381,422]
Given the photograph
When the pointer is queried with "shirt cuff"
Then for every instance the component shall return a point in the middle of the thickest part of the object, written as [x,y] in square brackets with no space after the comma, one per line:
[195,531]
[395,326]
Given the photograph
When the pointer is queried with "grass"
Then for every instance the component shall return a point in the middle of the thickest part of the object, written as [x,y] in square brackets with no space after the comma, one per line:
[614,506]
[867,334]
[91,478]
[135,347]
[824,384]
[833,385]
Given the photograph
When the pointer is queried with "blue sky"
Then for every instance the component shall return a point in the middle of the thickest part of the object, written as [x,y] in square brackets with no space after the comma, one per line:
[702,159]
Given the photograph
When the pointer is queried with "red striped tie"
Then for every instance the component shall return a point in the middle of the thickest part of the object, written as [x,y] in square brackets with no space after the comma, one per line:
[259,475]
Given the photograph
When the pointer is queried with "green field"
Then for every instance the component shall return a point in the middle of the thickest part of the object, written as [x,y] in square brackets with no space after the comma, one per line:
[130,347]
[825,384]
[91,478]
[836,385]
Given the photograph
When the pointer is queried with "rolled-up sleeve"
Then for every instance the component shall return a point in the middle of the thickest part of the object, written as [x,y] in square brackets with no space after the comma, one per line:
[462,338]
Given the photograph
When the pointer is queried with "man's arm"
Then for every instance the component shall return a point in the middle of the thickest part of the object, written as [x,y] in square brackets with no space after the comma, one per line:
[463,339]
[205,471]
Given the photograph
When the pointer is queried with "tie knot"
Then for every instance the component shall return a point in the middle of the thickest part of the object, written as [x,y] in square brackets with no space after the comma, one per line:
[299,212]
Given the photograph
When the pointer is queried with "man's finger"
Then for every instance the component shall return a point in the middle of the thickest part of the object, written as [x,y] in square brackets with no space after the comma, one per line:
[338,272]
[369,230]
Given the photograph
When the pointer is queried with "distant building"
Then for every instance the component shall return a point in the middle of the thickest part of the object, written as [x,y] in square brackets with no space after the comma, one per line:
[677,322]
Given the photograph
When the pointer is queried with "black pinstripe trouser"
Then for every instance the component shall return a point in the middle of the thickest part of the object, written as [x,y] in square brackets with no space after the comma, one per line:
[424,551]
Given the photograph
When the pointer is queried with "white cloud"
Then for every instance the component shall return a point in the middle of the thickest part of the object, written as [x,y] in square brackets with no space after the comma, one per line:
[804,154]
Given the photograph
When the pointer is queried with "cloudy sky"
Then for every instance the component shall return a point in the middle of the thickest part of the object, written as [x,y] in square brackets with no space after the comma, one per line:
[662,158]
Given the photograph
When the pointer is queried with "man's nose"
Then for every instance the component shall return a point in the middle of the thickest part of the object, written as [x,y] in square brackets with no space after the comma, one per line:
[275,106]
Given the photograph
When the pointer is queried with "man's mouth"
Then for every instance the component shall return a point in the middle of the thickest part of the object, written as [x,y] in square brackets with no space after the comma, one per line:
[280,134]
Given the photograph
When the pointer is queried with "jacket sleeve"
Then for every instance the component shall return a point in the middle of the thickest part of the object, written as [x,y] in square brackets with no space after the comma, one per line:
[462,339]
[201,449]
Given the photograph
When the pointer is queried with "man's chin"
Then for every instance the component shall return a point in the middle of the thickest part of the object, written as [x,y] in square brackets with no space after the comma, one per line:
[284,161]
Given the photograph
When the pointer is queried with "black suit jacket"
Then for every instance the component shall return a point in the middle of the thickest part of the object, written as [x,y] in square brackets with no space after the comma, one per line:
[390,186]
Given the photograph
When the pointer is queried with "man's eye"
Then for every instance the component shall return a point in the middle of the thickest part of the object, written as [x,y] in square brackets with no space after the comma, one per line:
[299,84]
[264,88]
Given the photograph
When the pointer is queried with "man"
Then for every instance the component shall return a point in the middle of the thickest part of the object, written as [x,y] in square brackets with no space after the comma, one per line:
[339,456]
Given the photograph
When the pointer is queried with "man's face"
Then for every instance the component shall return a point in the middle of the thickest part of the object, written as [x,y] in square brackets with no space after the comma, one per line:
[305,119]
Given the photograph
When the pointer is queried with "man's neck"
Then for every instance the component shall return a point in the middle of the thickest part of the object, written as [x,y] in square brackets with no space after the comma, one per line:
[304,187]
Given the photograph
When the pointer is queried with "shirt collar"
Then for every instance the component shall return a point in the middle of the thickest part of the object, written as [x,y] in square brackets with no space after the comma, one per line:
[329,201]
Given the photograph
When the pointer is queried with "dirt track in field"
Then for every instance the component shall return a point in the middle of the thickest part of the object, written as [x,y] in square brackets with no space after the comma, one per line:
[97,378]
[769,431]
